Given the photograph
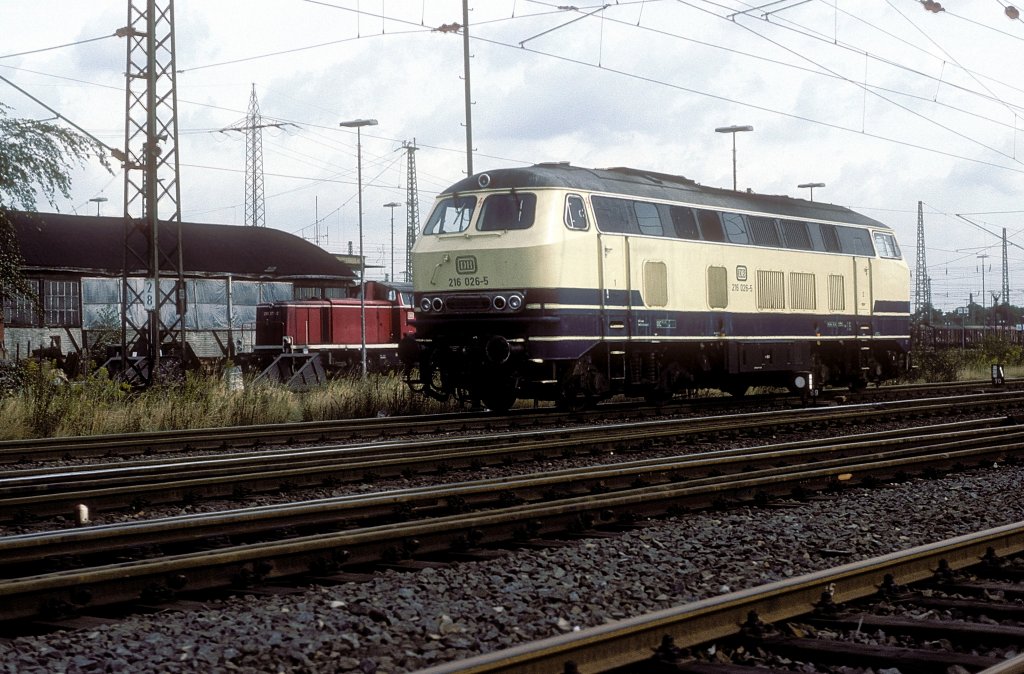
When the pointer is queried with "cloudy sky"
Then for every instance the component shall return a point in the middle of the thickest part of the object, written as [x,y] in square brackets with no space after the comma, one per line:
[886,103]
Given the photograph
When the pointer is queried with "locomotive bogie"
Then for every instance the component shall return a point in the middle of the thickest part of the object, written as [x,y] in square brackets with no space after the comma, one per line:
[580,284]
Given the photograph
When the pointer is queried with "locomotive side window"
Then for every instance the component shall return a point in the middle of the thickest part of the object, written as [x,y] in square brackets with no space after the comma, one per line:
[684,222]
[615,215]
[795,235]
[710,225]
[855,241]
[763,231]
[718,287]
[507,211]
[648,219]
[825,238]
[735,228]
[575,213]
[886,245]
[451,215]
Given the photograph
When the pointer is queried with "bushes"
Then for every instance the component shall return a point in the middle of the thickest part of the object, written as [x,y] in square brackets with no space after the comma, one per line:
[953,363]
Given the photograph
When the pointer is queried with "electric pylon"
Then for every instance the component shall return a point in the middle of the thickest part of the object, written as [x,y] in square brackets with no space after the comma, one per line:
[1006,273]
[922,288]
[412,207]
[153,310]
[255,215]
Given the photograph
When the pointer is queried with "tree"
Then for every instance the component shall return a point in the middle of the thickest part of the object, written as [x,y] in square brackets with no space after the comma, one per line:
[36,158]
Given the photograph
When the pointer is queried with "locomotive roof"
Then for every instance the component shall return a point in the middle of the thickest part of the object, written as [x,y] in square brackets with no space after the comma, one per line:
[95,244]
[649,184]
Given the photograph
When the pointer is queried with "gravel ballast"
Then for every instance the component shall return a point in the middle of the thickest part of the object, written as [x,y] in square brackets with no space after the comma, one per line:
[402,621]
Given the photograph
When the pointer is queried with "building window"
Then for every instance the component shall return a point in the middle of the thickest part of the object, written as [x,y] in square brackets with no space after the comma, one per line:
[20,311]
[62,303]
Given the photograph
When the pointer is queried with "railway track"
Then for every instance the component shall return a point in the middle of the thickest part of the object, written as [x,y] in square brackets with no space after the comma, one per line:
[152,444]
[34,494]
[155,560]
[817,619]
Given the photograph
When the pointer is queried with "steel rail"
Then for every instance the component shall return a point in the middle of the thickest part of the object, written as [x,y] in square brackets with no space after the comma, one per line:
[598,649]
[32,596]
[909,451]
[44,493]
[160,442]
[731,425]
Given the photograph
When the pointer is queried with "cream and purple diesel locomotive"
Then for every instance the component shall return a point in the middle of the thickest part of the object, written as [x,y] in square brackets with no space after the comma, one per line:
[562,283]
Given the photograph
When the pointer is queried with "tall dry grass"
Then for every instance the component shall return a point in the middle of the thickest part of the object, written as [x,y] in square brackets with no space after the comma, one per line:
[46,405]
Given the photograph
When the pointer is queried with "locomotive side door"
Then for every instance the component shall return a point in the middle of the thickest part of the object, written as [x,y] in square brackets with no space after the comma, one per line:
[862,301]
[616,300]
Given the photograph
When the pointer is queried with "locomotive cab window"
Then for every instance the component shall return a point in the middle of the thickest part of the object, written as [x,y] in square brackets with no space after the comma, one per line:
[513,210]
[451,216]
[576,213]
[886,245]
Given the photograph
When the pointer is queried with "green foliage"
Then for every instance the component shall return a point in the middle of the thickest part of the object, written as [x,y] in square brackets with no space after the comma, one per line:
[35,158]
[937,364]
[12,378]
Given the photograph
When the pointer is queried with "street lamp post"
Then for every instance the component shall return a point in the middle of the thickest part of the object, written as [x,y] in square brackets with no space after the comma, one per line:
[98,200]
[733,130]
[392,205]
[812,186]
[984,319]
[358,124]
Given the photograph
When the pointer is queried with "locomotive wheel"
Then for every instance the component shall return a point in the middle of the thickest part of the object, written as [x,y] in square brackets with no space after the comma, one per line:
[736,390]
[498,391]
[499,401]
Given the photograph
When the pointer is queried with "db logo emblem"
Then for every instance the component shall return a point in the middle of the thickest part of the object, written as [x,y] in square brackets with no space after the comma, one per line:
[465,264]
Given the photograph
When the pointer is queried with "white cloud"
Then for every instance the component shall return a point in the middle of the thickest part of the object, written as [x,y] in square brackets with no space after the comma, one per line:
[596,91]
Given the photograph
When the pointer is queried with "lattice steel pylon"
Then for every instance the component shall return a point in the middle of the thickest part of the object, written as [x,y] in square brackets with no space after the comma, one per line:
[412,206]
[1006,274]
[255,216]
[153,285]
[922,287]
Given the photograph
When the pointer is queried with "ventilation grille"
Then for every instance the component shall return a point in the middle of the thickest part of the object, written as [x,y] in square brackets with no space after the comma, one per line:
[836,293]
[802,291]
[771,289]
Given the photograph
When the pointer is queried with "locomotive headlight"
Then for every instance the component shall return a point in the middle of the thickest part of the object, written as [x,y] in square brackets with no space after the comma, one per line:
[498,302]
[437,304]
[425,304]
[515,302]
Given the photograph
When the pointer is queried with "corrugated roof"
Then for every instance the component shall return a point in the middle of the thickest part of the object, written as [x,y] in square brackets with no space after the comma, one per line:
[55,241]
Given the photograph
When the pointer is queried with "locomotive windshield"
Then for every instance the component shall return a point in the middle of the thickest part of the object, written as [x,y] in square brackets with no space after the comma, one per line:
[451,215]
[507,211]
